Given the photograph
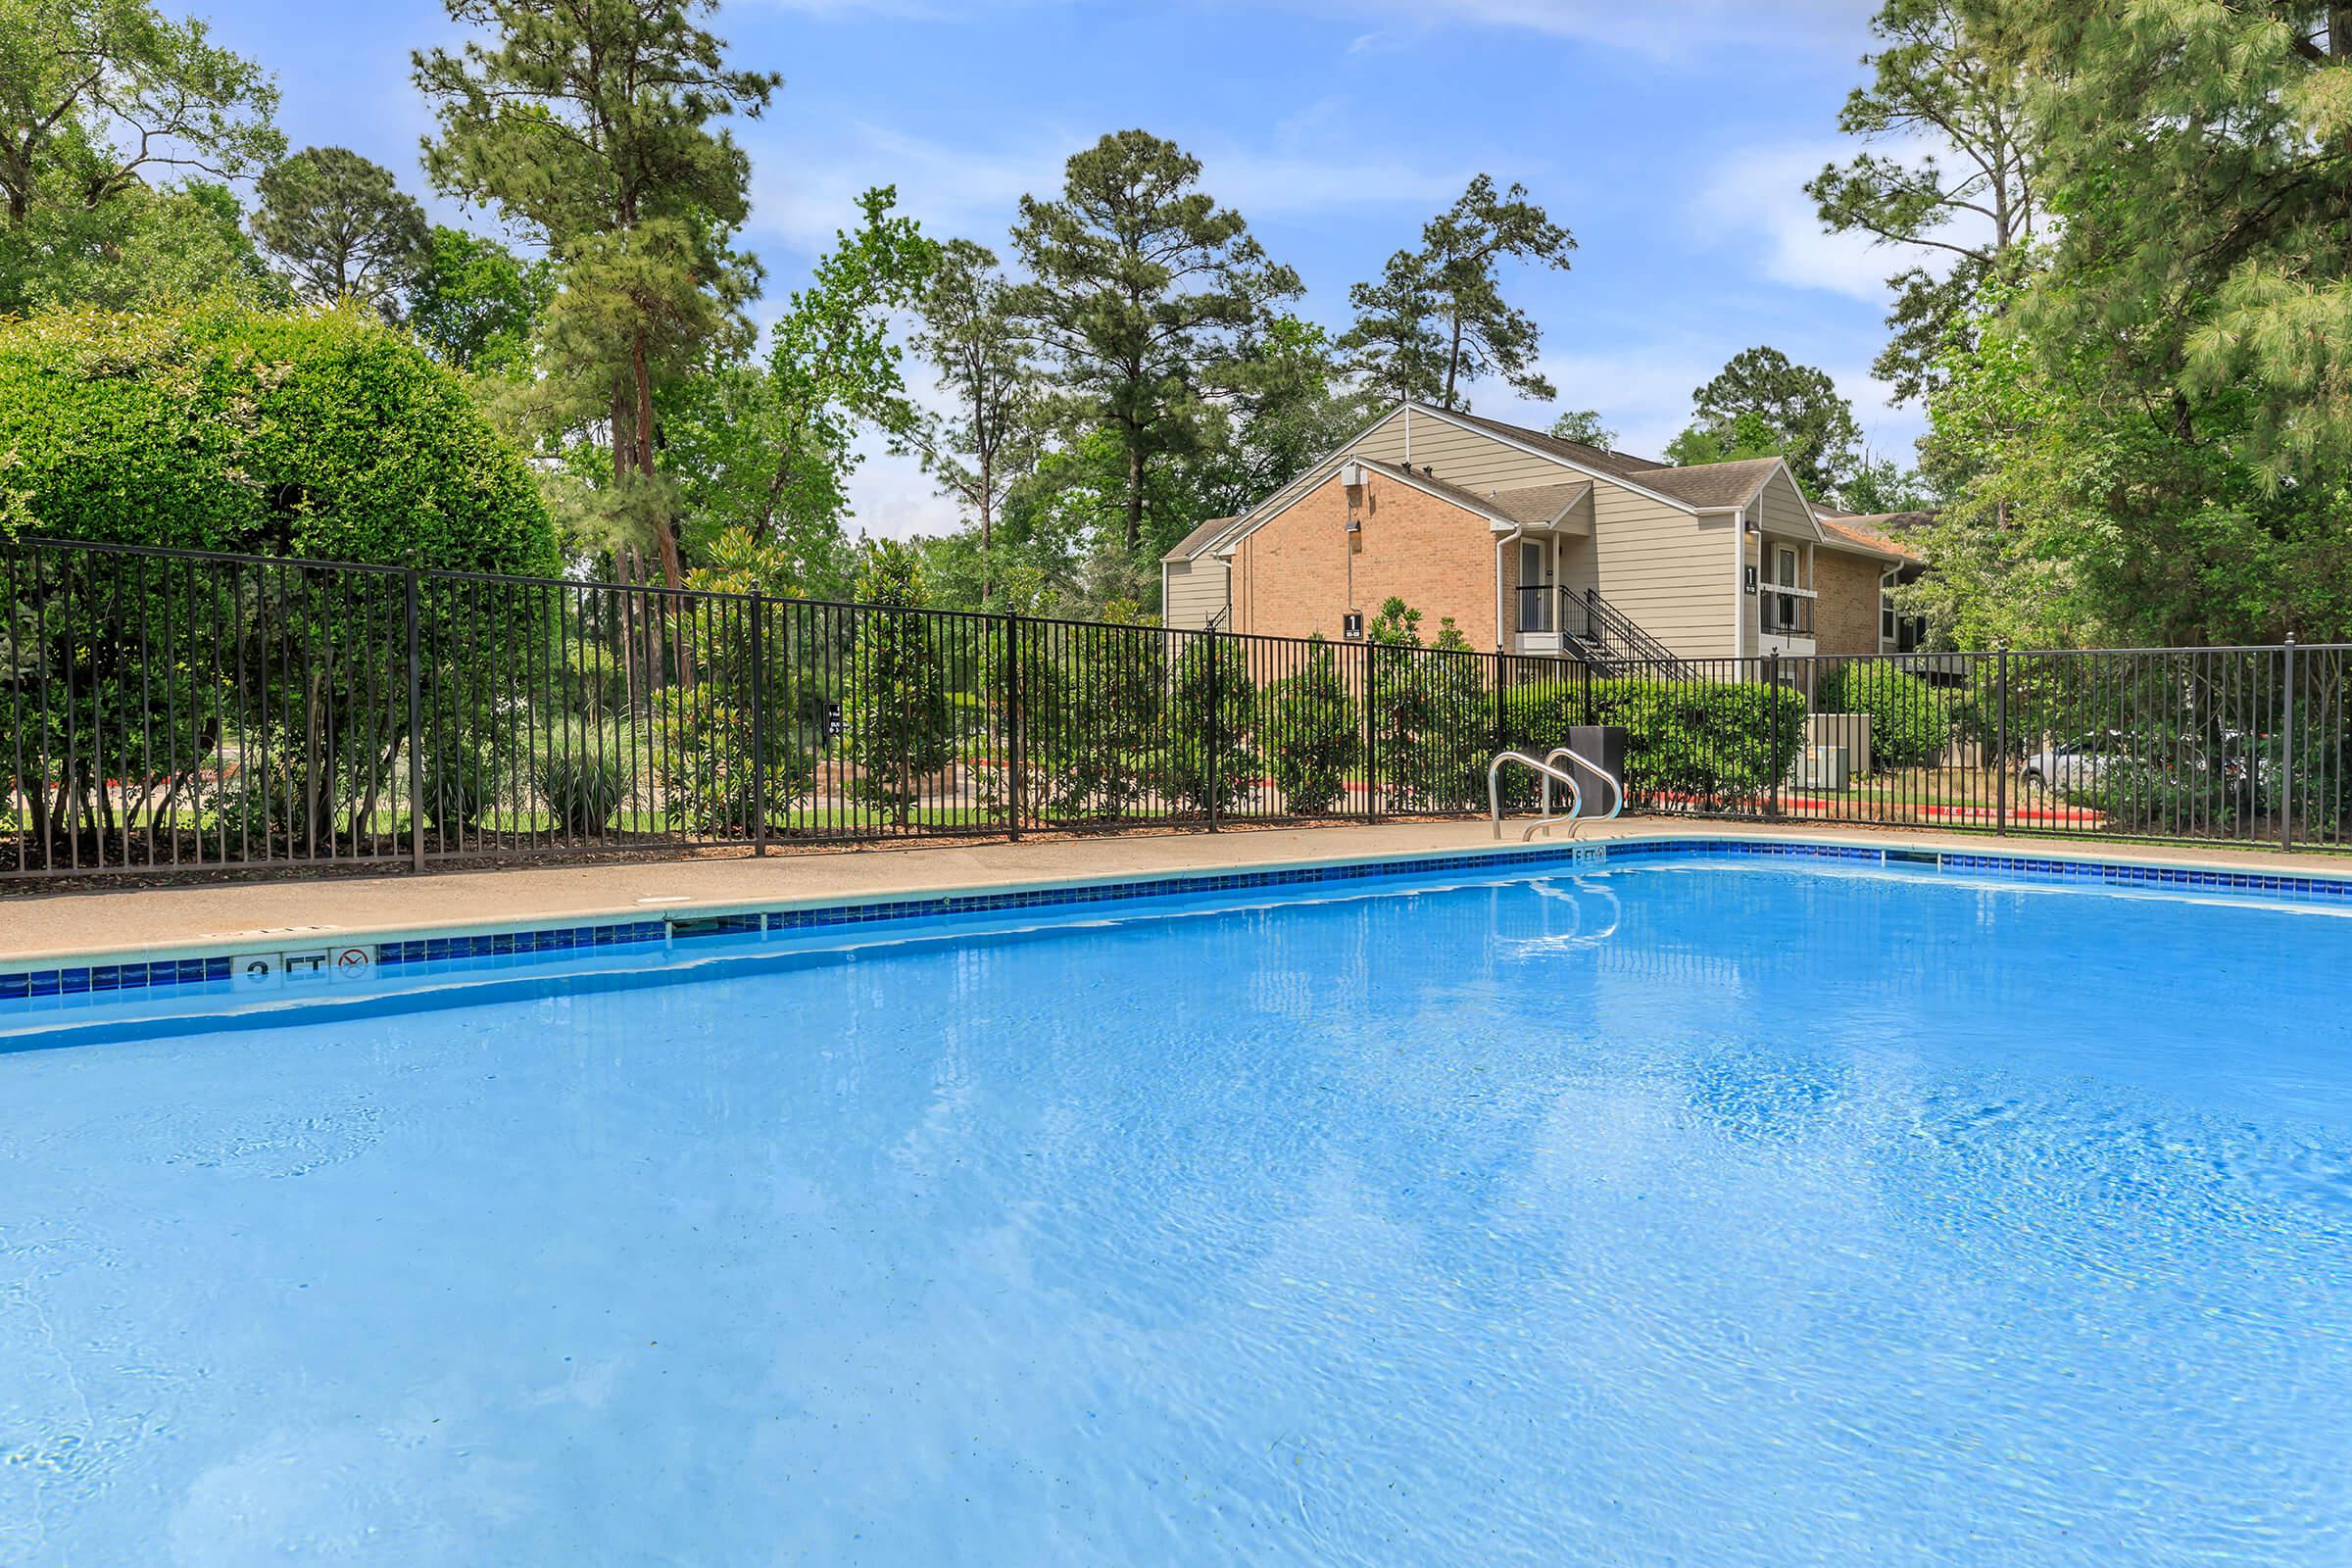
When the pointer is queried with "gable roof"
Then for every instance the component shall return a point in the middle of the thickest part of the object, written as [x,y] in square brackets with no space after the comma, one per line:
[1702,487]
[1711,485]
[1617,464]
[1540,506]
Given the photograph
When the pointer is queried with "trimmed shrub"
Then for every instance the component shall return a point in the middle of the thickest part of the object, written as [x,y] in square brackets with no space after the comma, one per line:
[1197,771]
[1312,734]
[1910,720]
[1707,745]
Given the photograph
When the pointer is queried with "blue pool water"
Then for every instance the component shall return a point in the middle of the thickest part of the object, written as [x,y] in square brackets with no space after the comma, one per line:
[1707,1214]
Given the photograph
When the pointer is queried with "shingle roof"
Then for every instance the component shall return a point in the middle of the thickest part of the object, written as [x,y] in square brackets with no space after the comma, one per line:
[1711,484]
[1196,539]
[1877,530]
[1540,506]
[1622,463]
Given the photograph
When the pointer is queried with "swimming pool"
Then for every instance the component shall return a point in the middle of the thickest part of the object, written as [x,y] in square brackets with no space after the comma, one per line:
[1692,1209]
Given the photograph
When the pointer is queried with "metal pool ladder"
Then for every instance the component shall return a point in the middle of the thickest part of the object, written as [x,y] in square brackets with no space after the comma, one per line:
[1548,768]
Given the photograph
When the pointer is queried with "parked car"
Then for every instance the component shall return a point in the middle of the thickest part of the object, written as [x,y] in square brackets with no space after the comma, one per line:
[2075,765]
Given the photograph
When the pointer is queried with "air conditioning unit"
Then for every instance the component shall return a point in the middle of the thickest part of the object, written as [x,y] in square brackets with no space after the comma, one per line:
[1822,767]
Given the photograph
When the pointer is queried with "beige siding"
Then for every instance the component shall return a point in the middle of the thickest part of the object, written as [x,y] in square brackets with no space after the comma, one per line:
[1477,463]
[1196,592]
[1668,570]
[1784,509]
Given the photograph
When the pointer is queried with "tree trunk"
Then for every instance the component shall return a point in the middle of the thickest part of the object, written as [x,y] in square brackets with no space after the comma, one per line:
[1135,494]
[987,528]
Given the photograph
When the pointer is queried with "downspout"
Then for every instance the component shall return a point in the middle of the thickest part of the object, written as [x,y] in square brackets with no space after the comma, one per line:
[1500,544]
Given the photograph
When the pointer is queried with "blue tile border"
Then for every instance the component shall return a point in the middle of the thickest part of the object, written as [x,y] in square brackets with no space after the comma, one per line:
[40,988]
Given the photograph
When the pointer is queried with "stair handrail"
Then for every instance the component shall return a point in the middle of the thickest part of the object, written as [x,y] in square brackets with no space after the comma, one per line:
[1606,624]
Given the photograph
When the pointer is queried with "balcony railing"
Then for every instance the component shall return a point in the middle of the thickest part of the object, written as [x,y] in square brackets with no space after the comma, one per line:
[1535,610]
[1788,612]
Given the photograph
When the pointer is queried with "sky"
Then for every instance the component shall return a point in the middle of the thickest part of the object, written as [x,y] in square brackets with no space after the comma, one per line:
[1672,138]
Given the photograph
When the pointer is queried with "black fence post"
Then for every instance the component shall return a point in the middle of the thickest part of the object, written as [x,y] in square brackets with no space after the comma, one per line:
[1013,728]
[2286,749]
[1772,732]
[1372,730]
[415,733]
[2000,748]
[1209,770]
[758,727]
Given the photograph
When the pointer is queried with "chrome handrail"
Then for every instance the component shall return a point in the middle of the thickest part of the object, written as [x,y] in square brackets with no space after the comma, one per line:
[1616,785]
[1549,774]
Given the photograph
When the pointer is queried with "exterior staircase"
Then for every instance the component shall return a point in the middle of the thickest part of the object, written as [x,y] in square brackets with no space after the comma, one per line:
[1608,639]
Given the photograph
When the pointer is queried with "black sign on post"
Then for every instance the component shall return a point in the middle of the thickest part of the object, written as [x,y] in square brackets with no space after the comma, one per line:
[1752,579]
[834,727]
[1352,626]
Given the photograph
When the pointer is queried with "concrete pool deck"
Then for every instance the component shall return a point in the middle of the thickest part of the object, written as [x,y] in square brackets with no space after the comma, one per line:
[225,916]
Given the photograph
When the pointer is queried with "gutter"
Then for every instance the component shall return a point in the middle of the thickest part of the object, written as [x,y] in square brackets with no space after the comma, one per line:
[1499,544]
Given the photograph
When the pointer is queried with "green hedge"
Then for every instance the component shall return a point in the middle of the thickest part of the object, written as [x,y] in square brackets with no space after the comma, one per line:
[305,432]
[1910,720]
[1689,743]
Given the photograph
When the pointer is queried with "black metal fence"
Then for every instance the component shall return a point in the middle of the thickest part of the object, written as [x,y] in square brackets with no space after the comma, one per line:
[172,710]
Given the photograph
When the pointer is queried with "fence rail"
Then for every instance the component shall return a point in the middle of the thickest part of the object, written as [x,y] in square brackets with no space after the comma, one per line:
[181,710]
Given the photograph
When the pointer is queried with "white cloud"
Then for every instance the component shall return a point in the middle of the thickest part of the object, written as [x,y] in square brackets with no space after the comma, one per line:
[1759,194]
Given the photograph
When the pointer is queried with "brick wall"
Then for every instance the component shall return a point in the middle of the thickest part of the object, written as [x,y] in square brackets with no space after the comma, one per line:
[1845,619]
[1290,576]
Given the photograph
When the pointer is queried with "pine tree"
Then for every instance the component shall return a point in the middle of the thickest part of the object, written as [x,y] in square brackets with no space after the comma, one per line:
[1139,287]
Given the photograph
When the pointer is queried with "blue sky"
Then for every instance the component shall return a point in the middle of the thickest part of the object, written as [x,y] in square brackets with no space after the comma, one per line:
[1672,136]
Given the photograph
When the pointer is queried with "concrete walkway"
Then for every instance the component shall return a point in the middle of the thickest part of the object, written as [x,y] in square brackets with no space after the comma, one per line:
[232,917]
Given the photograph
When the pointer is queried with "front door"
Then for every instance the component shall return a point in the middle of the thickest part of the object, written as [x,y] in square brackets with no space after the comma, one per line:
[1535,585]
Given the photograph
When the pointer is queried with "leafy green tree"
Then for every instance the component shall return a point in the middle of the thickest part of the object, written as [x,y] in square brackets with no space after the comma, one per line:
[99,95]
[1138,286]
[2148,440]
[770,449]
[1748,435]
[2200,160]
[1435,320]
[475,305]
[101,101]
[318,434]
[341,227]
[2082,516]
[1965,199]
[220,428]
[901,729]
[1795,407]
[143,249]
[987,435]
[591,126]
[1882,485]
[1583,425]
[1281,403]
